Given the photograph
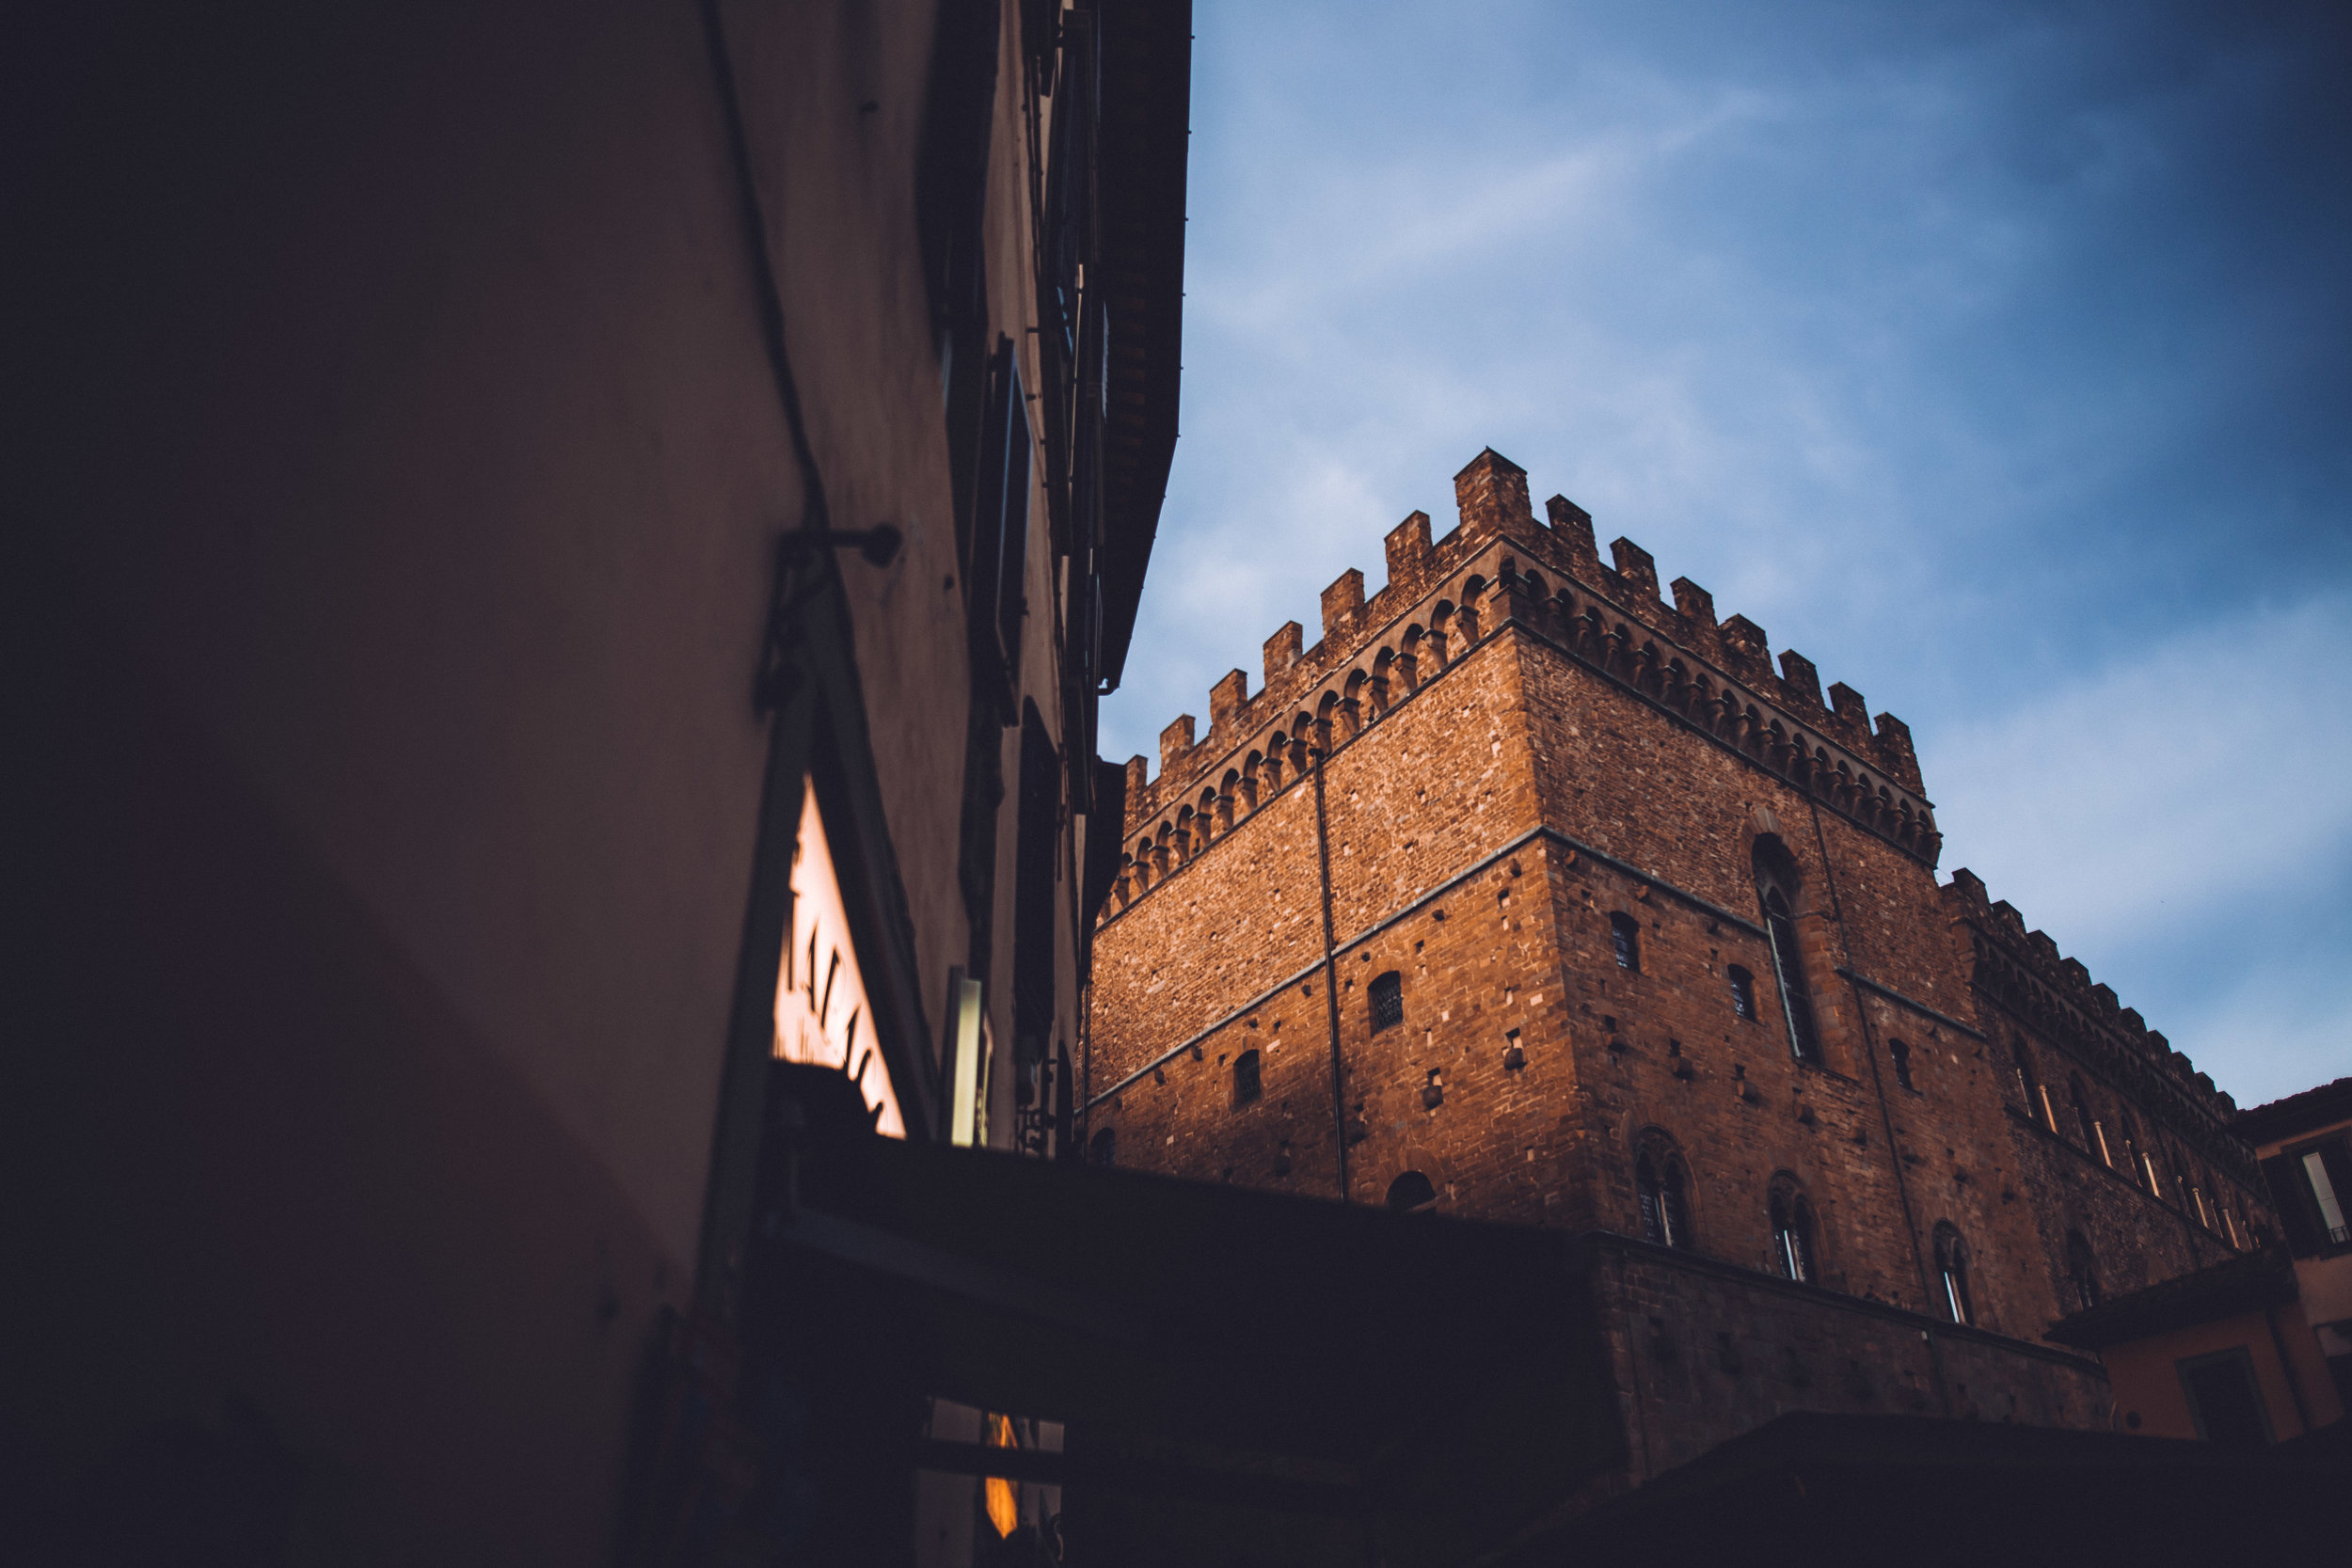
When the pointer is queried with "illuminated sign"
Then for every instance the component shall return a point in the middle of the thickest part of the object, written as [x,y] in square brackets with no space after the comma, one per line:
[822,1014]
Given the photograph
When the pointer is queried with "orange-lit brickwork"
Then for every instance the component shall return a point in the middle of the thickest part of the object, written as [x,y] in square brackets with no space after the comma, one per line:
[1506,770]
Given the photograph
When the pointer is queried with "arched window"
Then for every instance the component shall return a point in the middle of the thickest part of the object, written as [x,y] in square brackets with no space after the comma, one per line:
[1412,1193]
[2139,1159]
[2083,1118]
[1662,1183]
[1387,1001]
[1103,1149]
[1742,994]
[1625,935]
[1951,1263]
[2082,1271]
[1901,1054]
[1246,1086]
[2021,1063]
[1795,1001]
[1792,1231]
[1776,886]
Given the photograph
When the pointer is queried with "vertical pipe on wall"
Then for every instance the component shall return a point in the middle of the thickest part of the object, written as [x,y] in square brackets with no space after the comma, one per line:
[1330,983]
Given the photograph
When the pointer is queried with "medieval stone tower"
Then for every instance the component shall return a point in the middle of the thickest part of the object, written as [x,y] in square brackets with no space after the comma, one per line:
[1526,896]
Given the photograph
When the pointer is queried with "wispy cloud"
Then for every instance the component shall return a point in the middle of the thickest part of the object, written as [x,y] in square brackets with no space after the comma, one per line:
[2176,821]
[1995,355]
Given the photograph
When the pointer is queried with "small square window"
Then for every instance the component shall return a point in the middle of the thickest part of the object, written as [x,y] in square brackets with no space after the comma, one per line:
[1742,994]
[1625,936]
[1245,1084]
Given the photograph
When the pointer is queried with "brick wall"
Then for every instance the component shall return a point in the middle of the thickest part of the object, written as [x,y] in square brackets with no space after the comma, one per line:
[1515,744]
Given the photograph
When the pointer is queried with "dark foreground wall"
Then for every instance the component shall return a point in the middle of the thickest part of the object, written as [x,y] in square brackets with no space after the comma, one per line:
[395,466]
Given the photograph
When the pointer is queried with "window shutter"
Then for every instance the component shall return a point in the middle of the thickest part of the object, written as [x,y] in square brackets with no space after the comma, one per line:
[2335,1157]
[2292,1195]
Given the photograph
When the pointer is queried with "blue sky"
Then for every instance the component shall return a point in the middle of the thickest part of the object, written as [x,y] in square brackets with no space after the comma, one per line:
[1998,359]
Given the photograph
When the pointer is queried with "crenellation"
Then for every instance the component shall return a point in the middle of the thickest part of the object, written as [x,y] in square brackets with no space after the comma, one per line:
[1572,530]
[1799,681]
[1491,492]
[1851,711]
[1175,741]
[1896,754]
[1409,549]
[1342,603]
[1638,570]
[1283,651]
[1228,699]
[1670,655]
[2027,973]
[1694,604]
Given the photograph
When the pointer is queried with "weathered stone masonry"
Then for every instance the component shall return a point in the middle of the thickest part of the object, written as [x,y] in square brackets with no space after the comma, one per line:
[1525,759]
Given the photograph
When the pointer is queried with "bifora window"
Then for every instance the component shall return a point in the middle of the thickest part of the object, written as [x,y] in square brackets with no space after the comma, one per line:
[1662,1183]
[1776,887]
[1387,1001]
[1625,937]
[1951,1262]
[1792,1231]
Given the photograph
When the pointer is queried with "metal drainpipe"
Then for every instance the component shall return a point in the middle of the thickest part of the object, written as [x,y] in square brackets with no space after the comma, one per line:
[1331,982]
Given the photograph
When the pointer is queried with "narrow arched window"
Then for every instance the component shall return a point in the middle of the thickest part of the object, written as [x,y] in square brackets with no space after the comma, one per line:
[2131,1151]
[1246,1086]
[1901,1054]
[2082,1271]
[1787,970]
[2083,1118]
[1387,1001]
[1662,1185]
[1792,1231]
[1412,1193]
[1625,935]
[1742,994]
[1951,1262]
[1103,1149]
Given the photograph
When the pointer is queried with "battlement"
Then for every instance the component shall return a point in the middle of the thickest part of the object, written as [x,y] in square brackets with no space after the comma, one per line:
[1500,566]
[2025,969]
